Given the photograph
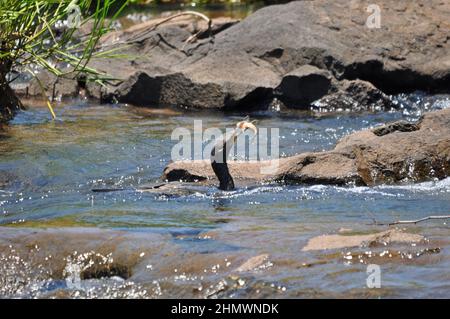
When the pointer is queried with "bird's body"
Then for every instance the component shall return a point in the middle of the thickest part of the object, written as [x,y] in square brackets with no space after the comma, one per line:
[220,152]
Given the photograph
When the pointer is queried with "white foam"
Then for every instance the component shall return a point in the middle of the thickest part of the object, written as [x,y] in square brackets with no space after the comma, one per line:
[431,186]
[314,191]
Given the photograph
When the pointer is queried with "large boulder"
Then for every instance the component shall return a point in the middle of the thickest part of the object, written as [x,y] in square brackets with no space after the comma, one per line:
[399,152]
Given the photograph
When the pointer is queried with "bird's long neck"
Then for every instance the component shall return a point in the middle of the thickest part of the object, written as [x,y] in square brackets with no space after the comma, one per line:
[219,164]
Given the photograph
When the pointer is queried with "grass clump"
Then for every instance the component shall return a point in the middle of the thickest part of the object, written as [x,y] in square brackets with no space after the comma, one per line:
[59,36]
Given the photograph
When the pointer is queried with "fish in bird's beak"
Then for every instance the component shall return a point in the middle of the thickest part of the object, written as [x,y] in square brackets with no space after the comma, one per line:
[241,127]
[246,125]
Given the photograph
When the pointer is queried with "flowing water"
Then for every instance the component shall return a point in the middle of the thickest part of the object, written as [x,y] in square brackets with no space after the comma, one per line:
[62,240]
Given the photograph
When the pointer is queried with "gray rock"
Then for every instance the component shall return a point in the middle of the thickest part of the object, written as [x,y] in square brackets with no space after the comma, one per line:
[55,87]
[179,90]
[355,95]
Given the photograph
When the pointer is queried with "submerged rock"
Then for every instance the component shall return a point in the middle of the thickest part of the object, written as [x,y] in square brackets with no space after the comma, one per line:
[6,178]
[85,253]
[253,263]
[346,241]
[394,153]
[300,52]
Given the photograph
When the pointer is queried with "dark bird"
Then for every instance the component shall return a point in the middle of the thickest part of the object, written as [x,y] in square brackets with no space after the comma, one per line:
[219,155]
[220,152]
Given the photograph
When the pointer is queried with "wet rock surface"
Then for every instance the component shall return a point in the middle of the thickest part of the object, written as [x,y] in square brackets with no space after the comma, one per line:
[253,263]
[393,153]
[400,126]
[346,241]
[99,263]
[5,178]
[301,52]
[354,95]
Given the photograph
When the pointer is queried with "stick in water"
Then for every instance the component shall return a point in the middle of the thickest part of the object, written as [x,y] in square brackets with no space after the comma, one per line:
[418,220]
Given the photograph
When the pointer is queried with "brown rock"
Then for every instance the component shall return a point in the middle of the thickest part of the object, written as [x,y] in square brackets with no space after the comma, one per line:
[252,263]
[345,241]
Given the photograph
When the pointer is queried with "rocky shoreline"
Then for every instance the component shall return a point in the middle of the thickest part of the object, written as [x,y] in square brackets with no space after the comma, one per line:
[302,54]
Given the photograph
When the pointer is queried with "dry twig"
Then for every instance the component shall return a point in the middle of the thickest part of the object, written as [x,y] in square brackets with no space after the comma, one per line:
[154,26]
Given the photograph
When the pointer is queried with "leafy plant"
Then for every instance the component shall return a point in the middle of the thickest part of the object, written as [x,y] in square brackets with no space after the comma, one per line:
[42,33]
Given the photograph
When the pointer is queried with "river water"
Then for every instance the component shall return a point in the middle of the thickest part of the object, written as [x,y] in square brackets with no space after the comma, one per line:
[192,246]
